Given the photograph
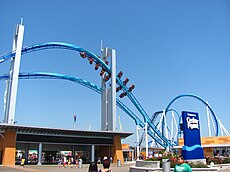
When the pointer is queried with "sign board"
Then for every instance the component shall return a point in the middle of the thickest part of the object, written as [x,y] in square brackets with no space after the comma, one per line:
[192,148]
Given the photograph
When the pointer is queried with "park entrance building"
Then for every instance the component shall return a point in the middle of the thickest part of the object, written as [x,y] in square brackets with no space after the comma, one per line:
[47,145]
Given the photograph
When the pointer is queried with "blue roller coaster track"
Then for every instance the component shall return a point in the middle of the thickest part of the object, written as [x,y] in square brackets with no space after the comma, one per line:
[153,120]
[156,114]
[202,101]
[45,75]
[59,45]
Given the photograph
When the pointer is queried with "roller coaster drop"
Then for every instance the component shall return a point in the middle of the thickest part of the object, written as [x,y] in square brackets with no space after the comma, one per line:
[152,129]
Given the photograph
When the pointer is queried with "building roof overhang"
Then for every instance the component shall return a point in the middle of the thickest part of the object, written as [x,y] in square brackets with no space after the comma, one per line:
[47,131]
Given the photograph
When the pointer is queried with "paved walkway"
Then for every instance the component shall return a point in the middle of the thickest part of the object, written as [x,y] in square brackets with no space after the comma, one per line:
[55,168]
[52,168]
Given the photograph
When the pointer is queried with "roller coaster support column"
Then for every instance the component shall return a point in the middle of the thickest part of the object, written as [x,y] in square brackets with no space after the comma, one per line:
[146,140]
[137,142]
[208,117]
[108,96]
[12,82]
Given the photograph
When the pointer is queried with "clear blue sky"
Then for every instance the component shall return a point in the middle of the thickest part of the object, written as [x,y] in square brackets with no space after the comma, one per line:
[165,48]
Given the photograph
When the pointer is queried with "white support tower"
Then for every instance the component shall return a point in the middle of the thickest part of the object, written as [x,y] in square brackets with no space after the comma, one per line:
[208,117]
[137,142]
[172,126]
[108,96]
[175,124]
[12,82]
[165,125]
[223,130]
[146,140]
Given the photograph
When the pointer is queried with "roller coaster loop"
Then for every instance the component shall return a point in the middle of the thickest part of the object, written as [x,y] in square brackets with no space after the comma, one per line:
[201,100]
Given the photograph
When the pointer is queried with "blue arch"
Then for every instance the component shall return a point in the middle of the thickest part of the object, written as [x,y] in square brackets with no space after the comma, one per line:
[61,45]
[45,75]
[202,101]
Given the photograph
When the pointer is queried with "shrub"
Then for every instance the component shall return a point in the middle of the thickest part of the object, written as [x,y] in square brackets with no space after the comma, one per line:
[150,159]
[173,162]
[198,165]
[226,160]
[217,160]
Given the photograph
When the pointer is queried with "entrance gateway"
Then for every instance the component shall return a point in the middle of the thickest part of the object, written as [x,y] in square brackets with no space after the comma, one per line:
[46,144]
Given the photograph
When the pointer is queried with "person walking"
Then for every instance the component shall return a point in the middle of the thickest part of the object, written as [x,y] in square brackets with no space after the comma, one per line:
[106,165]
[182,166]
[93,167]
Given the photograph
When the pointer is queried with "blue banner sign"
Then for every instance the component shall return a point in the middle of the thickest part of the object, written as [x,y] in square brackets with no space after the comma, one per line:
[191,129]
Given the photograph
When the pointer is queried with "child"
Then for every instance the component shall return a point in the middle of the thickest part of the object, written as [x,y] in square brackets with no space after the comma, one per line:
[59,163]
[22,162]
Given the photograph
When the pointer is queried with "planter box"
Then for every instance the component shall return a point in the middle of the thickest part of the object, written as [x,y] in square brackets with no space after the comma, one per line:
[145,169]
[148,164]
[154,166]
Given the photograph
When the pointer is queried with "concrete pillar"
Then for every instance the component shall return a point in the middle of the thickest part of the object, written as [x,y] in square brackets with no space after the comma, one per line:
[73,152]
[132,156]
[26,152]
[92,153]
[40,154]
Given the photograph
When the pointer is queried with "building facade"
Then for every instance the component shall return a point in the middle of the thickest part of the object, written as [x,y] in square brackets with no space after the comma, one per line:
[213,146]
[39,145]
